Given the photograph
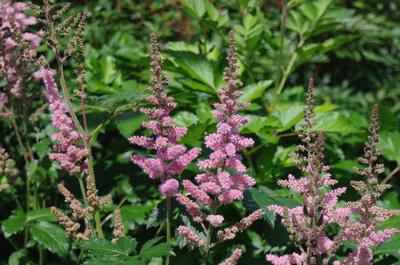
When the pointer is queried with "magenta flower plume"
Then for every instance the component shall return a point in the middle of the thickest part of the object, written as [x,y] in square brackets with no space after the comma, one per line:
[170,158]
[12,64]
[71,156]
[226,178]
[307,223]
[365,232]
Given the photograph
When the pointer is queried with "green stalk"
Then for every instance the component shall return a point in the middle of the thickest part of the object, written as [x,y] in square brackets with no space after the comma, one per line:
[98,224]
[168,225]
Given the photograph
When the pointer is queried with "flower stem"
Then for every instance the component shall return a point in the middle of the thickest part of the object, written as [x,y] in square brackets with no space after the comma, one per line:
[98,224]
[168,225]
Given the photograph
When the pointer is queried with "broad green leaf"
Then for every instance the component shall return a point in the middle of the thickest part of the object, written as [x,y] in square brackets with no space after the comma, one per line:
[197,66]
[134,214]
[255,123]
[102,247]
[146,246]
[196,8]
[262,197]
[160,250]
[157,215]
[108,69]
[51,236]
[15,257]
[391,246]
[336,122]
[128,122]
[40,215]
[254,91]
[110,260]
[126,245]
[288,115]
[185,119]
[390,145]
[14,223]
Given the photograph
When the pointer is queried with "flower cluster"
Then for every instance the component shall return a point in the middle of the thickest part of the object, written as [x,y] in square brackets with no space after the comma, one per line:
[364,231]
[230,180]
[307,224]
[72,157]
[12,63]
[170,158]
[7,167]
[83,212]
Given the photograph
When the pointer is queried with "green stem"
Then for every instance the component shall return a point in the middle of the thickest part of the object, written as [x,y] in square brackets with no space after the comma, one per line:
[41,255]
[98,224]
[168,226]
[207,247]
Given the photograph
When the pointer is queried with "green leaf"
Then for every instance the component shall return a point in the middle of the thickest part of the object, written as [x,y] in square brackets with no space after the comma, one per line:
[196,8]
[336,122]
[262,197]
[107,260]
[254,91]
[146,246]
[15,257]
[288,115]
[108,69]
[126,245]
[14,223]
[197,66]
[390,145]
[185,119]
[134,214]
[42,147]
[160,250]
[40,215]
[255,123]
[51,236]
[128,123]
[157,215]
[389,247]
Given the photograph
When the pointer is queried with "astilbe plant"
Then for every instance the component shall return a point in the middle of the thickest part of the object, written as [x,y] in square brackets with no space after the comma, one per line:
[72,146]
[307,224]
[170,157]
[13,64]
[364,229]
[226,178]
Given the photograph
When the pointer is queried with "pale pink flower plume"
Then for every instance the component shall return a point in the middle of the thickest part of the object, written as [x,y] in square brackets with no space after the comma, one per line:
[170,158]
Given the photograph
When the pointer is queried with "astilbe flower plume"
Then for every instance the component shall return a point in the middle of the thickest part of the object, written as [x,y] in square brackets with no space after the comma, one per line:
[307,224]
[229,179]
[170,158]
[7,169]
[83,213]
[364,230]
[12,63]
[71,156]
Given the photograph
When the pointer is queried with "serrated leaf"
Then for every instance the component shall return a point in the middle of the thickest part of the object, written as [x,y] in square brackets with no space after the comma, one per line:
[40,215]
[390,145]
[197,66]
[51,236]
[336,122]
[391,246]
[262,197]
[107,260]
[15,257]
[196,8]
[160,250]
[185,119]
[14,223]
[157,215]
[127,123]
[254,91]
